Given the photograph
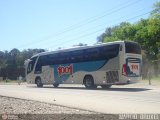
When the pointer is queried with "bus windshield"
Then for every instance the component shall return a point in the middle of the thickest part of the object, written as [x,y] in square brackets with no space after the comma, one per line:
[31,64]
[132,47]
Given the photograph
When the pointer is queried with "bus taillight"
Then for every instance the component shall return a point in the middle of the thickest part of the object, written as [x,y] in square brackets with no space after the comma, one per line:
[124,70]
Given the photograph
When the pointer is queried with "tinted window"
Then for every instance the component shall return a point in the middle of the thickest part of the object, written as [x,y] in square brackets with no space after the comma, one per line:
[77,56]
[38,65]
[31,65]
[42,61]
[109,51]
[51,59]
[101,53]
[64,57]
[91,54]
[132,47]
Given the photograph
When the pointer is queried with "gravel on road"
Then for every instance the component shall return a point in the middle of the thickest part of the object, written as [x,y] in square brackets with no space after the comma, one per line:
[21,109]
[20,106]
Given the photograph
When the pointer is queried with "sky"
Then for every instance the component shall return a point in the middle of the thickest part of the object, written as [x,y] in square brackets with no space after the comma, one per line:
[53,24]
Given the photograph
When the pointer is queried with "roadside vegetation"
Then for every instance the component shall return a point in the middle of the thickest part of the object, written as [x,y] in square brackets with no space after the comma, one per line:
[10,81]
[12,62]
[156,78]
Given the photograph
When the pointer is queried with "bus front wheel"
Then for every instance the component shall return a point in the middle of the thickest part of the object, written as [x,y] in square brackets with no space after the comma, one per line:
[106,86]
[39,82]
[55,85]
[89,82]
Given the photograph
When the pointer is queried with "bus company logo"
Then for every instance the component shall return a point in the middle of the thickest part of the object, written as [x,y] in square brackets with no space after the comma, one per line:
[134,67]
[65,70]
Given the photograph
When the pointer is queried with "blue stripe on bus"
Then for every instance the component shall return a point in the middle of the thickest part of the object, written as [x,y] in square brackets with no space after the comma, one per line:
[76,67]
[92,66]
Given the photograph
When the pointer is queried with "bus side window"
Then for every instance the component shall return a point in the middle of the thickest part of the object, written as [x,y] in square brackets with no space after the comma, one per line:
[110,51]
[77,56]
[52,59]
[63,58]
[38,68]
[91,54]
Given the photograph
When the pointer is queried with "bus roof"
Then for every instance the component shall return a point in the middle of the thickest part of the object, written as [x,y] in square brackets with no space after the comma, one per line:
[78,48]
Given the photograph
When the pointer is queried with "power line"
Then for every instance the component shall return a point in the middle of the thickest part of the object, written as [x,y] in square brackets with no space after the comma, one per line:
[88,34]
[112,20]
[76,26]
[99,17]
[94,17]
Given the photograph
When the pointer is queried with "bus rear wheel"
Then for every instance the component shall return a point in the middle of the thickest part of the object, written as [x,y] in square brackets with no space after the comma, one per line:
[89,82]
[106,86]
[39,82]
[55,85]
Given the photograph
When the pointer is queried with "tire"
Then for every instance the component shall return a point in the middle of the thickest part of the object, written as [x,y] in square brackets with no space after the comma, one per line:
[55,85]
[89,82]
[39,82]
[106,86]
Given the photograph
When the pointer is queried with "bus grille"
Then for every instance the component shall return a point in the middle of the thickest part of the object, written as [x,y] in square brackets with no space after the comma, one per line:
[112,76]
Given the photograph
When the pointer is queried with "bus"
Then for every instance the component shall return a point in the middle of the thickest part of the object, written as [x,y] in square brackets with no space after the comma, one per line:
[106,64]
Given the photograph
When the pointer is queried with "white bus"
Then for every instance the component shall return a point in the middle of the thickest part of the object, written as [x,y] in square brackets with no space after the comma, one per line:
[107,64]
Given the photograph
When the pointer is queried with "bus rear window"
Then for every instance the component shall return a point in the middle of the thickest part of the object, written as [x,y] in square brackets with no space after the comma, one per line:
[132,47]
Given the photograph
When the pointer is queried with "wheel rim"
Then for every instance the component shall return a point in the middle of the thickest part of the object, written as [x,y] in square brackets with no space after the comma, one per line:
[55,85]
[88,82]
[38,82]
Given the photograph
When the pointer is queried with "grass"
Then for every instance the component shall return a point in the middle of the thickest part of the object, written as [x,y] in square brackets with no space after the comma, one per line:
[155,81]
[156,78]
[8,81]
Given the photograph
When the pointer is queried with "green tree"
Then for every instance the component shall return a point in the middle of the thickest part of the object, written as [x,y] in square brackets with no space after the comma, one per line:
[2,60]
[156,10]
[120,32]
[12,62]
[146,32]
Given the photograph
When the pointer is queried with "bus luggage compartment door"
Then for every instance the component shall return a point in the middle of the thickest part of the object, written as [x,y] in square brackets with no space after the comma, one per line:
[112,76]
